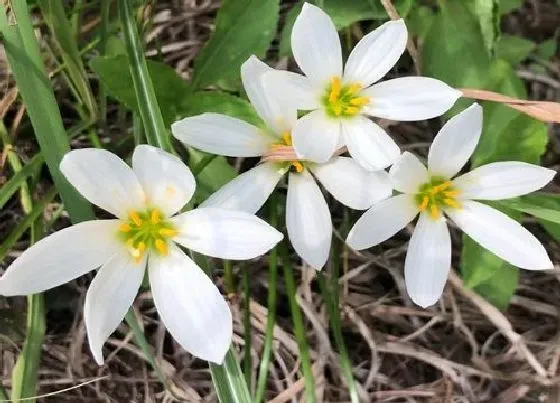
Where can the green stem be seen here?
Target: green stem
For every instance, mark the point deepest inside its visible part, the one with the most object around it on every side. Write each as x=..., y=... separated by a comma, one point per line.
x=154, y=126
x=229, y=280
x=299, y=327
x=248, y=359
x=271, y=304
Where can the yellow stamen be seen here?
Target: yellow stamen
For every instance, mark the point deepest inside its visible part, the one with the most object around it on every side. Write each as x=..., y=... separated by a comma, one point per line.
x=124, y=227
x=298, y=166
x=287, y=138
x=354, y=88
x=360, y=101
x=351, y=110
x=439, y=188
x=452, y=203
x=155, y=216
x=434, y=212
x=424, y=203
x=167, y=232
x=451, y=193
x=161, y=246
x=336, y=85
x=133, y=215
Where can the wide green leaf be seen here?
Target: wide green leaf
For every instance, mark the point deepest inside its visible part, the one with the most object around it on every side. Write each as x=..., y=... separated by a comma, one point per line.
x=243, y=28
x=514, y=49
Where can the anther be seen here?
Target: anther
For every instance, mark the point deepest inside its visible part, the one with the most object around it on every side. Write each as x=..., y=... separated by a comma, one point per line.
x=360, y=101
x=298, y=166
x=434, y=212
x=336, y=85
x=155, y=216
x=124, y=227
x=452, y=203
x=424, y=203
x=167, y=232
x=351, y=110
x=354, y=88
x=133, y=215
x=451, y=193
x=161, y=246
x=287, y=138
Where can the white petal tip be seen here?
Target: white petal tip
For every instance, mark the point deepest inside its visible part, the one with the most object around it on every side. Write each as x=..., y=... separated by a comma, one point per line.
x=424, y=301
x=98, y=356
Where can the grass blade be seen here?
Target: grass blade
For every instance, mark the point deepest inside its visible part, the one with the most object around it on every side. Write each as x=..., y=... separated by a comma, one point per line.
x=299, y=327
x=154, y=127
x=229, y=380
x=247, y=359
x=34, y=86
x=271, y=303
x=19, y=179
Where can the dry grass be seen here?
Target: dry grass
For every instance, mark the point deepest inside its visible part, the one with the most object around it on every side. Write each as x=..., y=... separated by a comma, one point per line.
x=460, y=350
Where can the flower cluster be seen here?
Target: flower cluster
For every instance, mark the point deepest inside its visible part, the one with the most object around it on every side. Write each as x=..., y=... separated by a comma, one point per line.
x=147, y=199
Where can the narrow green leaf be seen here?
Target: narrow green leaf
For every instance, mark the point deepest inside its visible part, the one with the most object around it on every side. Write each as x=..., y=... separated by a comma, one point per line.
x=299, y=326
x=154, y=126
x=9, y=188
x=487, y=14
x=229, y=380
x=34, y=86
x=243, y=28
x=545, y=207
x=53, y=13
x=271, y=305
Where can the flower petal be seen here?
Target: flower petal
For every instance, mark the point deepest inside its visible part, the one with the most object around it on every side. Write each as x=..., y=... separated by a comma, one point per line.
x=168, y=183
x=316, y=136
x=503, y=180
x=109, y=296
x=369, y=144
x=408, y=173
x=316, y=45
x=428, y=261
x=382, y=221
x=376, y=53
x=501, y=235
x=351, y=184
x=410, y=98
x=454, y=144
x=61, y=257
x=248, y=191
x=104, y=179
x=278, y=116
x=190, y=306
x=294, y=89
x=308, y=219
x=222, y=135
x=226, y=234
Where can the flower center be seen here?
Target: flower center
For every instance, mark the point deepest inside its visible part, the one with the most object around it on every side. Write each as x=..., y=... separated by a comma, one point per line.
x=286, y=137
x=343, y=100
x=436, y=195
x=145, y=231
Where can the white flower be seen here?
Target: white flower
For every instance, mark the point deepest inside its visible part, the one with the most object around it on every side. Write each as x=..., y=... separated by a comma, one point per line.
x=340, y=101
x=432, y=192
x=308, y=218
x=144, y=199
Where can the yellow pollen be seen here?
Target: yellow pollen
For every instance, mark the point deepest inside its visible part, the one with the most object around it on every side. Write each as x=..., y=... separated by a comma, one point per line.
x=440, y=188
x=354, y=88
x=287, y=138
x=134, y=217
x=337, y=109
x=351, y=110
x=124, y=227
x=161, y=246
x=424, y=203
x=452, y=203
x=434, y=212
x=451, y=193
x=155, y=216
x=167, y=232
x=360, y=101
x=336, y=86
x=298, y=166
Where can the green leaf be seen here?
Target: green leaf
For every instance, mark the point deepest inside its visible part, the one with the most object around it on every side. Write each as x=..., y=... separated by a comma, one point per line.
x=547, y=49
x=486, y=12
x=219, y=102
x=286, y=35
x=514, y=49
x=35, y=88
x=419, y=21
x=19, y=179
x=243, y=28
x=150, y=112
x=507, y=6
x=216, y=174
x=544, y=206
x=229, y=380
x=53, y=13
x=170, y=89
